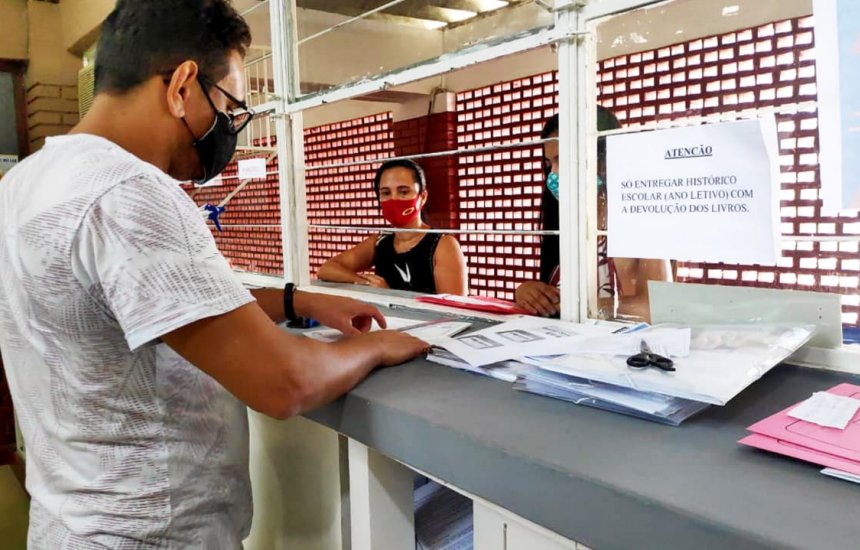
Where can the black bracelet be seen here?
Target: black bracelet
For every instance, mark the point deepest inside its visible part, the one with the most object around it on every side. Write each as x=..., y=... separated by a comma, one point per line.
x=289, y=307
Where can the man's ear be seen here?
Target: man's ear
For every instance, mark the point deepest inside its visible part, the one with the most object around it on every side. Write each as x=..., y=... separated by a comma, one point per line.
x=180, y=86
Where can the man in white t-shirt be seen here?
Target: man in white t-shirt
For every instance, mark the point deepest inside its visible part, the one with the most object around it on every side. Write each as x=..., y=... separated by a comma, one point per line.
x=131, y=349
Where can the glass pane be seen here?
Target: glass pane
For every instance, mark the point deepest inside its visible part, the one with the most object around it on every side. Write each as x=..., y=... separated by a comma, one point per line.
x=499, y=188
x=345, y=41
x=250, y=227
x=664, y=66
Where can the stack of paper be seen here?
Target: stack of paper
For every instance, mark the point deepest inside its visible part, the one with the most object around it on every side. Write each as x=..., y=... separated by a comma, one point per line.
x=587, y=363
x=824, y=430
x=507, y=371
x=443, y=519
x=650, y=406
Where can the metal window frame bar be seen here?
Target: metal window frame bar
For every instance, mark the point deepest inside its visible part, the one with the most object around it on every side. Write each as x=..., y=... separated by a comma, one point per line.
x=435, y=154
x=375, y=229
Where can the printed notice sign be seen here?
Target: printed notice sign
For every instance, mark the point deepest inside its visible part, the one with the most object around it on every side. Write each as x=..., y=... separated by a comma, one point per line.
x=703, y=193
x=252, y=169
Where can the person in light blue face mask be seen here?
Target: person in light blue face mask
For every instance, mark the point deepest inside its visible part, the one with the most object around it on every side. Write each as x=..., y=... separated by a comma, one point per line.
x=621, y=280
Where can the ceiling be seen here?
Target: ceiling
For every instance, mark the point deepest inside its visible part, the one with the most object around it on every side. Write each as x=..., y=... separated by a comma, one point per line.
x=434, y=14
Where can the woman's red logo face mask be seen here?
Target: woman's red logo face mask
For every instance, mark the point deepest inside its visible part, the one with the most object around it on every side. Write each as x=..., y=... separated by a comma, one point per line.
x=401, y=212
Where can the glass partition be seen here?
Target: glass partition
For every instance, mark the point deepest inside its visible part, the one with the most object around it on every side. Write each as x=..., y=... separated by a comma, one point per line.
x=478, y=141
x=342, y=42
x=664, y=67
x=248, y=231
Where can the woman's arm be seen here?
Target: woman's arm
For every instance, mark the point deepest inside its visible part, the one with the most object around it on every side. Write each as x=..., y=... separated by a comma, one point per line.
x=633, y=277
x=346, y=266
x=449, y=268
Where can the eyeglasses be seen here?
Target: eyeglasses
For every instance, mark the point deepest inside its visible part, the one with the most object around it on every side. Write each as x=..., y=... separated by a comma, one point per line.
x=239, y=117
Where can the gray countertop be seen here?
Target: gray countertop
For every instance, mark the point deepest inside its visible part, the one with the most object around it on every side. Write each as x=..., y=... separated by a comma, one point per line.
x=606, y=480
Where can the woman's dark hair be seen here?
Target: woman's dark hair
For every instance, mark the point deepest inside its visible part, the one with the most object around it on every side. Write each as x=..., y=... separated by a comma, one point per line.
x=418, y=175
x=550, y=255
x=141, y=39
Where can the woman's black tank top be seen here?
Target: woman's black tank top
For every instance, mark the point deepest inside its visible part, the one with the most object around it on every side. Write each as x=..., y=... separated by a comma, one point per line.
x=411, y=270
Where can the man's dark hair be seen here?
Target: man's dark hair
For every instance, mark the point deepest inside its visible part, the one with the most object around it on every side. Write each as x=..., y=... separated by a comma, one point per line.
x=141, y=39
x=417, y=173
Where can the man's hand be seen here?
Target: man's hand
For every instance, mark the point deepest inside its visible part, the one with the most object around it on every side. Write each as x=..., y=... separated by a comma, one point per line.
x=538, y=298
x=374, y=280
x=349, y=316
x=395, y=348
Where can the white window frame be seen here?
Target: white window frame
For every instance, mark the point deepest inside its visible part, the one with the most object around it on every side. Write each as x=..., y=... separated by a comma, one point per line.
x=573, y=32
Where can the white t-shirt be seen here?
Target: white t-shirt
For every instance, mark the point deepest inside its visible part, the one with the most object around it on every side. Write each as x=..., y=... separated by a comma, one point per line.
x=127, y=444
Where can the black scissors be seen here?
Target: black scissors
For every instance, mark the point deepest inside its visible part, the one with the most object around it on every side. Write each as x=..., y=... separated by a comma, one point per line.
x=647, y=358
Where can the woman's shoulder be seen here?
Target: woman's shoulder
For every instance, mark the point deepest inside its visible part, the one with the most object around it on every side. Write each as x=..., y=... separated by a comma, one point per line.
x=446, y=244
x=448, y=241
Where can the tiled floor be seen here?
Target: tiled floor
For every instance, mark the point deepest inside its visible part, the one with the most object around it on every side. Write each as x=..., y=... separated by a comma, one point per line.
x=14, y=507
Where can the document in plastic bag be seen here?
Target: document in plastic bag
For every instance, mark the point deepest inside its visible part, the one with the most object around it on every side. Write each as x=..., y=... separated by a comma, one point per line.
x=722, y=362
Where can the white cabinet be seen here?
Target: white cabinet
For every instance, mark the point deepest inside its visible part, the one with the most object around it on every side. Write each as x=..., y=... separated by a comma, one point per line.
x=497, y=529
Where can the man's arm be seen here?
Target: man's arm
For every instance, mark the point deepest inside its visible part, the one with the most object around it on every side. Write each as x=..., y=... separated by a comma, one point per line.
x=279, y=374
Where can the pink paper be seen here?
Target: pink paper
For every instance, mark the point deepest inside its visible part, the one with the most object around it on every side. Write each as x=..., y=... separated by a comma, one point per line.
x=803, y=453
x=843, y=444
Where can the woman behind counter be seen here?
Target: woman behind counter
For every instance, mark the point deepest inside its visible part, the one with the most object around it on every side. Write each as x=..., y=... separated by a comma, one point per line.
x=623, y=282
x=427, y=263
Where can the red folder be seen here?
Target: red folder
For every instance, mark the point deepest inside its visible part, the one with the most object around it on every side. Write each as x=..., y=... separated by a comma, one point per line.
x=475, y=303
x=831, y=447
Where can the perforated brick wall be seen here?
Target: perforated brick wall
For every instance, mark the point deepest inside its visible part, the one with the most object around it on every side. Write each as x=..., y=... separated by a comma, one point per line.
x=430, y=134
x=251, y=236
x=344, y=195
x=501, y=190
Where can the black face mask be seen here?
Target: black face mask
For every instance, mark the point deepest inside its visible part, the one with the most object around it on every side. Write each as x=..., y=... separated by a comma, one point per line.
x=217, y=146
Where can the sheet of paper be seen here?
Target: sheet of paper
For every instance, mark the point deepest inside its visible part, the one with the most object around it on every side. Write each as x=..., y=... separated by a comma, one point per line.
x=700, y=193
x=506, y=371
x=252, y=169
x=827, y=409
x=517, y=338
x=437, y=333
x=333, y=335
x=845, y=476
